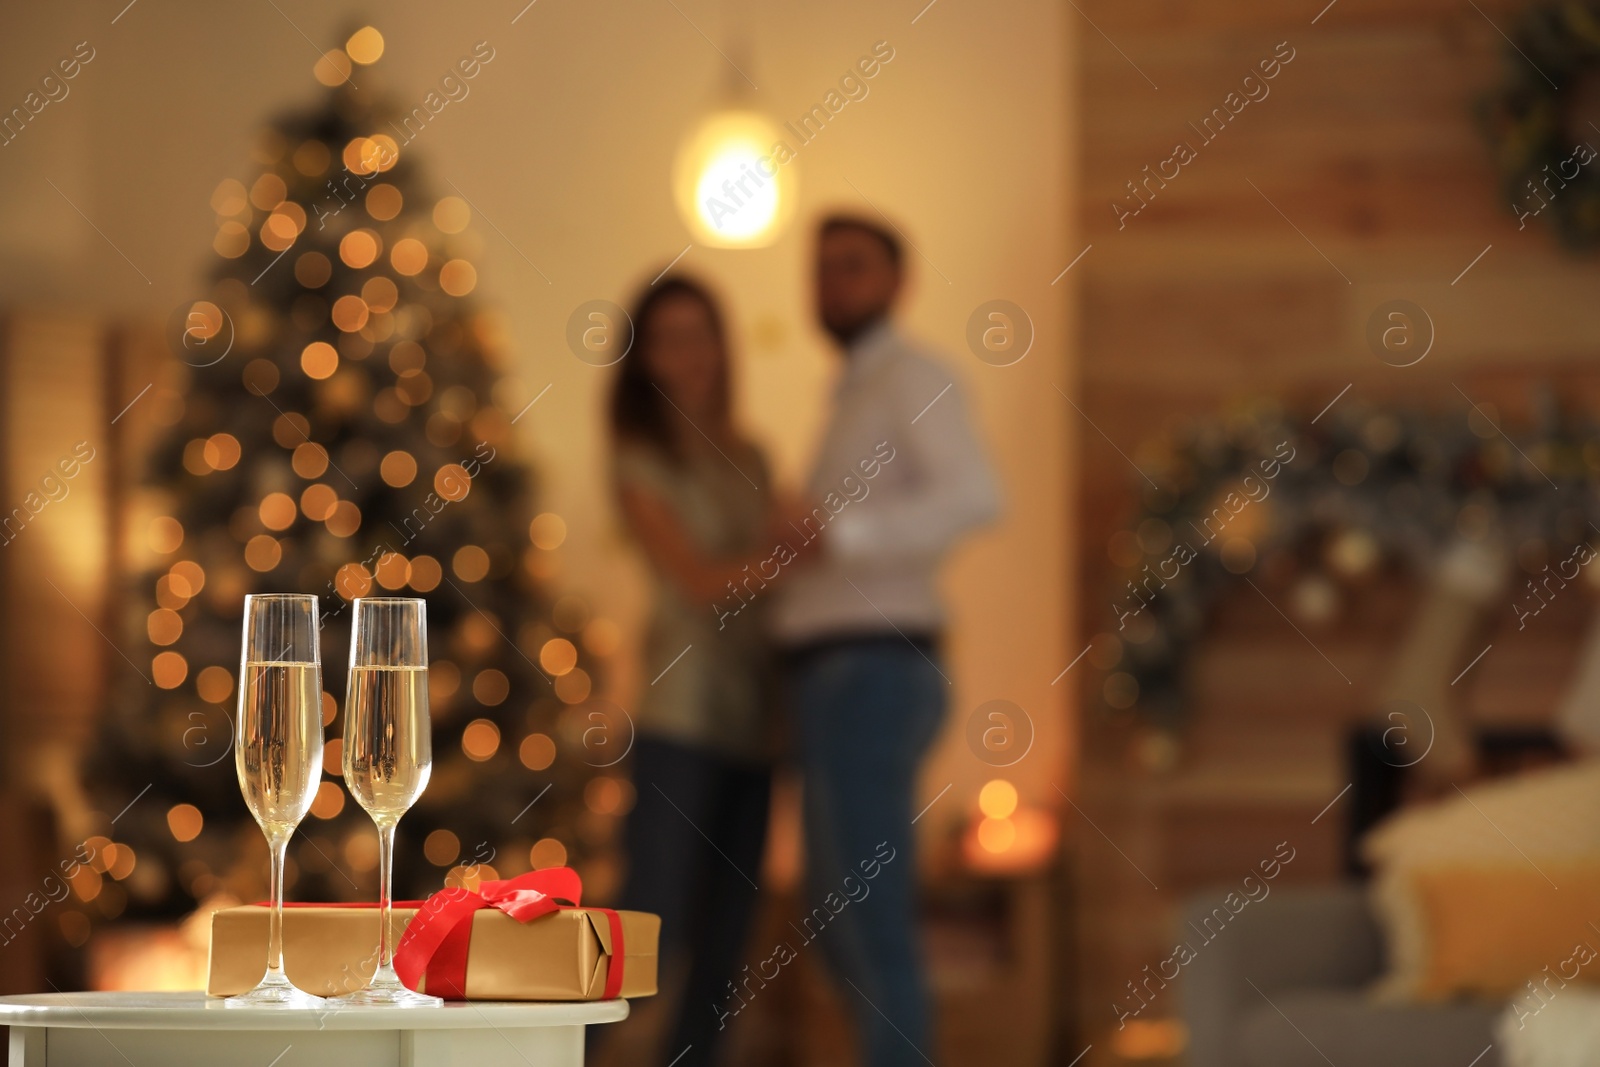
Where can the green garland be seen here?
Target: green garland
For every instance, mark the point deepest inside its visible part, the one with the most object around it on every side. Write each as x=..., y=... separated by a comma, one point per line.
x=1543, y=147
x=1308, y=511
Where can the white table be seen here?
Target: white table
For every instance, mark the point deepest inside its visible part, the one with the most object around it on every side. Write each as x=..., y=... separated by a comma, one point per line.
x=193, y=1030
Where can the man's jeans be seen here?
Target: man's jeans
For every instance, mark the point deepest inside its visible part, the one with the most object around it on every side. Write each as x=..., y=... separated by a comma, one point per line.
x=867, y=710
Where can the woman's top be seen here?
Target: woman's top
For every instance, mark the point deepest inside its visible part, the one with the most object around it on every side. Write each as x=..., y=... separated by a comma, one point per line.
x=707, y=665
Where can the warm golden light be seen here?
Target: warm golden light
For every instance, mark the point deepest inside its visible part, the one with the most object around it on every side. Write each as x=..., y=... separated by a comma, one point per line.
x=365, y=46
x=603, y=637
x=573, y=687
x=452, y=214
x=164, y=626
x=558, y=656
x=458, y=277
x=384, y=202
x=998, y=799
x=344, y=520
x=409, y=256
x=167, y=596
x=997, y=835
x=186, y=578
x=185, y=822
x=732, y=190
x=537, y=752
x=547, y=852
x=290, y=429
x=268, y=191
x=350, y=313
x=329, y=801
x=222, y=451
x=392, y=571
x=214, y=684
x=277, y=511
x=318, y=501
x=359, y=248
x=169, y=669
x=262, y=552
x=491, y=687
x=380, y=294
x=1150, y=1039
x=319, y=360
x=352, y=580
x=398, y=469
x=232, y=240
x=310, y=460
x=194, y=457
x=425, y=574
x=603, y=795
x=470, y=563
x=165, y=534
x=312, y=158
x=547, y=531
x=312, y=270
x=441, y=848
x=361, y=850
x=229, y=198
x=480, y=740
x=452, y=482
x=332, y=68
x=260, y=376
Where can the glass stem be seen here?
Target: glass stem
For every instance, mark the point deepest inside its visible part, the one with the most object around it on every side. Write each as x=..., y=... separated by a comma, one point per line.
x=279, y=846
x=385, y=895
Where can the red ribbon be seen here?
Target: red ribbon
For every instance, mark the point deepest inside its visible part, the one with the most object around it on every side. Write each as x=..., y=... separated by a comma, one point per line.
x=437, y=938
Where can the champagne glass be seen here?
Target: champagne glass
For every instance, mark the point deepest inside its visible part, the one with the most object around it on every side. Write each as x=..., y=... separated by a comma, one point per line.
x=278, y=751
x=388, y=753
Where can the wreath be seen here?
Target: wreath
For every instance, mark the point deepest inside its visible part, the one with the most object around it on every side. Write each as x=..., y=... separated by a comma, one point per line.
x=1309, y=511
x=1544, y=121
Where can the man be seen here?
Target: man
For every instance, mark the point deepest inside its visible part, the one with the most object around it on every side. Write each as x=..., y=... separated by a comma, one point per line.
x=900, y=478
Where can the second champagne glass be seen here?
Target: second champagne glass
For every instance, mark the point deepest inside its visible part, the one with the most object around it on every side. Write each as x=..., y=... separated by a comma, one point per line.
x=388, y=752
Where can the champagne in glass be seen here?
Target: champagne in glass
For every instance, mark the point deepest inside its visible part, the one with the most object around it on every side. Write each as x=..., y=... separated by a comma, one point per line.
x=278, y=751
x=388, y=753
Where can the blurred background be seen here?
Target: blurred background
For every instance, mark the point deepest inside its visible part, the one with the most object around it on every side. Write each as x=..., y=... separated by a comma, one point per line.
x=1273, y=318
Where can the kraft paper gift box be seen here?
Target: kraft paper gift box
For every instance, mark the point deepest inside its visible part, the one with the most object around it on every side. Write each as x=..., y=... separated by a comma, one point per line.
x=563, y=953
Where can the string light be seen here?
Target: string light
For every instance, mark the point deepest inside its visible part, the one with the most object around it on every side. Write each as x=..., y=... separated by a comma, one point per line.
x=470, y=563
x=480, y=740
x=441, y=848
x=185, y=822
x=384, y=201
x=537, y=752
x=490, y=687
x=558, y=656
x=425, y=574
x=165, y=534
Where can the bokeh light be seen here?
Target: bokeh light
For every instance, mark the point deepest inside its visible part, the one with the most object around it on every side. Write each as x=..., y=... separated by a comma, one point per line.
x=480, y=740
x=185, y=822
x=537, y=752
x=998, y=799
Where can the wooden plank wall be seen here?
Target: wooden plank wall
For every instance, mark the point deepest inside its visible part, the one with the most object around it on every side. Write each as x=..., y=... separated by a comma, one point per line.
x=1362, y=177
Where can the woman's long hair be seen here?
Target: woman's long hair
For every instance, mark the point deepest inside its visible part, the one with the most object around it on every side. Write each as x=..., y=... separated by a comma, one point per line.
x=640, y=410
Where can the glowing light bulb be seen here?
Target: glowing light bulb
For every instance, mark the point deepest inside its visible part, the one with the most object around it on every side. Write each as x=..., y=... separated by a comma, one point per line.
x=733, y=187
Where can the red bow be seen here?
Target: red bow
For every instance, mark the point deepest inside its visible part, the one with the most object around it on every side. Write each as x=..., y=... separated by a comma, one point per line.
x=437, y=938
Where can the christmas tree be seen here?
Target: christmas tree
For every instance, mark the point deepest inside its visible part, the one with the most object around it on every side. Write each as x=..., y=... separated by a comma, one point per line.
x=344, y=430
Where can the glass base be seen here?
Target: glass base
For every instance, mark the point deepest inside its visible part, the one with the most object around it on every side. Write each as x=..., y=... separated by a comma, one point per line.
x=386, y=991
x=275, y=991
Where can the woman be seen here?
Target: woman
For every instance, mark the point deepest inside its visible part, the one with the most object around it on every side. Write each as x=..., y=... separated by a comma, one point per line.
x=695, y=496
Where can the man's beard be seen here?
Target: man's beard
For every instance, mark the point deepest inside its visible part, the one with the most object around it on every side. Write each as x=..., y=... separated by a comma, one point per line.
x=846, y=332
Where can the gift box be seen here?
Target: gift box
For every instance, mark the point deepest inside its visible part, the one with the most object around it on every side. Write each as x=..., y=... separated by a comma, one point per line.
x=517, y=939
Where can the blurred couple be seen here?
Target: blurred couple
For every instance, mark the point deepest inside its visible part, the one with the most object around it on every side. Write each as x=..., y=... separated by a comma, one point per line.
x=825, y=605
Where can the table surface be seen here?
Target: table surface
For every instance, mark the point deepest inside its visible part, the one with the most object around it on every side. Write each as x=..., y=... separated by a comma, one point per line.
x=196, y=1011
